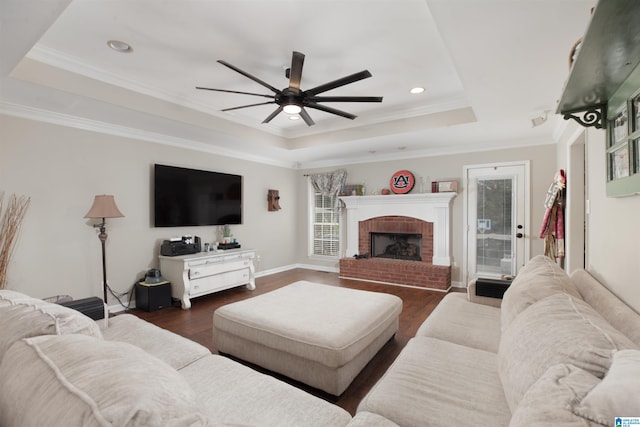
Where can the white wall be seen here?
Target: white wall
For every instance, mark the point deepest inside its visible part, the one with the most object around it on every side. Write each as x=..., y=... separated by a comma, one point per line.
x=613, y=229
x=612, y=226
x=62, y=168
x=377, y=176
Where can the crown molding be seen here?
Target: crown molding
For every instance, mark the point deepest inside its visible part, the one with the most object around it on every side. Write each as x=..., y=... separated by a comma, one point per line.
x=42, y=115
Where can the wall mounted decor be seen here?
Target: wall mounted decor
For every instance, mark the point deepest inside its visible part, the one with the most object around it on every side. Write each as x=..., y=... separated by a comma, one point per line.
x=603, y=90
x=402, y=182
x=273, y=200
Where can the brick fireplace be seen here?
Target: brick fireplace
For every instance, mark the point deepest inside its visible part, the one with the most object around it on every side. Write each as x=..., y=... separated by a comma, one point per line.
x=423, y=218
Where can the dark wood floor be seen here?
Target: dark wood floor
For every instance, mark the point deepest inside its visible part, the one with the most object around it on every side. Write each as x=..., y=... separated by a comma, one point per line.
x=196, y=323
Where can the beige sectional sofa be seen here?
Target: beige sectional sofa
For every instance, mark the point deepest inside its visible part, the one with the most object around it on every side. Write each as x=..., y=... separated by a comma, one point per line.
x=557, y=351
x=60, y=368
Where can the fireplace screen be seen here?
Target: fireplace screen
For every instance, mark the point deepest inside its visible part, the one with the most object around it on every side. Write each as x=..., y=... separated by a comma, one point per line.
x=396, y=246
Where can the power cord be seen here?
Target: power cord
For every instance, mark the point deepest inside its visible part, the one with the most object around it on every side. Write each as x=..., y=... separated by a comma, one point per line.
x=123, y=294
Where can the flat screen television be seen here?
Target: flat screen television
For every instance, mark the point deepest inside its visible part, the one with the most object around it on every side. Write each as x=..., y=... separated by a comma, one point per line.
x=190, y=197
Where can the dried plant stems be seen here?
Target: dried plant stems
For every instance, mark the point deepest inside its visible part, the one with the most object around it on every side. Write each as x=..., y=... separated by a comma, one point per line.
x=10, y=220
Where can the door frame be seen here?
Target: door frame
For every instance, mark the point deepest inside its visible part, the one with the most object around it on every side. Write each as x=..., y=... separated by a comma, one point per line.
x=465, y=212
x=575, y=208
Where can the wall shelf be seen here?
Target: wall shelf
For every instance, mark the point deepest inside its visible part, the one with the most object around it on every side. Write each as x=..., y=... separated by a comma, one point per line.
x=602, y=89
x=607, y=57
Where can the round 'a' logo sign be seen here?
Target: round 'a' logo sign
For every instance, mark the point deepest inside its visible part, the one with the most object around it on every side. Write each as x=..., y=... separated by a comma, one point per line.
x=402, y=182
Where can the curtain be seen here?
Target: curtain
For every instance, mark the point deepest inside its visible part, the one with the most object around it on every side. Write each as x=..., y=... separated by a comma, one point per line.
x=329, y=184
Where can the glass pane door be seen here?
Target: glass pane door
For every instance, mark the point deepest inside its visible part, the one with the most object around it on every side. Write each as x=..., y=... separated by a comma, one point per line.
x=494, y=242
x=497, y=203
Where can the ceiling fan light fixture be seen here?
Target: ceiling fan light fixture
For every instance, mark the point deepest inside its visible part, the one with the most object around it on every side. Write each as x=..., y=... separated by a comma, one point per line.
x=294, y=117
x=294, y=101
x=292, y=109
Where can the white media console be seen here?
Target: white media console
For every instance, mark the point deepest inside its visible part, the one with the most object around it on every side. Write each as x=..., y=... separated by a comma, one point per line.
x=208, y=272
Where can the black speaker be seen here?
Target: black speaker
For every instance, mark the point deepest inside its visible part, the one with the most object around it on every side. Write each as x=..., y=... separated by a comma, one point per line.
x=493, y=288
x=153, y=297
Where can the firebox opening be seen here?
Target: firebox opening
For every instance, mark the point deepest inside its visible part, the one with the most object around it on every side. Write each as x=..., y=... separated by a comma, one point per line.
x=404, y=246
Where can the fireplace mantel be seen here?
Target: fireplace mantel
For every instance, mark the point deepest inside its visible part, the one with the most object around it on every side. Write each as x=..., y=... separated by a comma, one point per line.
x=430, y=207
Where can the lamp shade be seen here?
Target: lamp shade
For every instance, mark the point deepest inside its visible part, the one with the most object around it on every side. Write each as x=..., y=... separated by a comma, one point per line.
x=104, y=206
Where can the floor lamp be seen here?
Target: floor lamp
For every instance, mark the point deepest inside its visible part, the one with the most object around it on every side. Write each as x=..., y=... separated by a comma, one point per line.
x=104, y=207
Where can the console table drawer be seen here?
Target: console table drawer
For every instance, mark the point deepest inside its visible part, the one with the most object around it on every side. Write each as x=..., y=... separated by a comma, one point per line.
x=220, y=281
x=203, y=273
x=212, y=269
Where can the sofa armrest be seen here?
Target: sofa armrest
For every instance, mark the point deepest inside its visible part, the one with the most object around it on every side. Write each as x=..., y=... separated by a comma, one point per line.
x=471, y=296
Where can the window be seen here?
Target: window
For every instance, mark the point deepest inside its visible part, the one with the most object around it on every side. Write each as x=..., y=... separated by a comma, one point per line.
x=325, y=225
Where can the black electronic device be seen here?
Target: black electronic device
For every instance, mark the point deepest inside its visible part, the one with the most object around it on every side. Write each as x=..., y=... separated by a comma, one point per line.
x=92, y=307
x=190, y=197
x=153, y=297
x=185, y=246
x=225, y=246
x=493, y=288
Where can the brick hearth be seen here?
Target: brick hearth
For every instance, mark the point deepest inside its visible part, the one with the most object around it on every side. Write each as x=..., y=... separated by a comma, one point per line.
x=397, y=272
x=403, y=272
x=396, y=224
x=425, y=214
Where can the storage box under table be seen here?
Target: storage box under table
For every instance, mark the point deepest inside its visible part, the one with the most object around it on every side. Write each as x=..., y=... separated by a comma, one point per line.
x=317, y=334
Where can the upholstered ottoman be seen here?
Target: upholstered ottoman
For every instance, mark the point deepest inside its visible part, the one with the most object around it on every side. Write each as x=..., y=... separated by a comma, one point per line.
x=319, y=335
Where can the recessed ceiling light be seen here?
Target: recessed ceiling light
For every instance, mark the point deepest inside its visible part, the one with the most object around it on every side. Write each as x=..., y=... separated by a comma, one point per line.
x=417, y=90
x=119, y=46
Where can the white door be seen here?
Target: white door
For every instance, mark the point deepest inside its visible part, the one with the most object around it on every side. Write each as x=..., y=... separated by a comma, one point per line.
x=497, y=217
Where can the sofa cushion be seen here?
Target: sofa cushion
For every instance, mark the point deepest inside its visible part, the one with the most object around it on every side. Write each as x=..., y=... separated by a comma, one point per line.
x=167, y=346
x=618, y=395
x=538, y=279
x=557, y=329
x=438, y=383
x=458, y=320
x=367, y=419
x=80, y=380
x=617, y=313
x=22, y=316
x=233, y=394
x=547, y=402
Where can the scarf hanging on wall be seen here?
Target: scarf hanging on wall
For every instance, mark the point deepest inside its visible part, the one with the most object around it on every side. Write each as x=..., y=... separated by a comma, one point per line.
x=552, y=230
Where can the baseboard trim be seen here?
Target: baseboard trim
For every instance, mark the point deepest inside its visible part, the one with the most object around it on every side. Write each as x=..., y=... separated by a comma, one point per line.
x=117, y=308
x=397, y=284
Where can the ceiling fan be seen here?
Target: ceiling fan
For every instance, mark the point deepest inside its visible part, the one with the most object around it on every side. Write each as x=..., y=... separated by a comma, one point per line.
x=293, y=100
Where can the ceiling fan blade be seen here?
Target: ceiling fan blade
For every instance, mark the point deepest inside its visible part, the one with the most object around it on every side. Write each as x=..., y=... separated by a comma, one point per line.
x=234, y=91
x=272, y=115
x=307, y=118
x=340, y=82
x=345, y=98
x=331, y=110
x=250, y=105
x=295, y=75
x=244, y=73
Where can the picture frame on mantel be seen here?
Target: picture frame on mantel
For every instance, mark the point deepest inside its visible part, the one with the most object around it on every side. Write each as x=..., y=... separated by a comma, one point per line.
x=445, y=186
x=352, y=190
